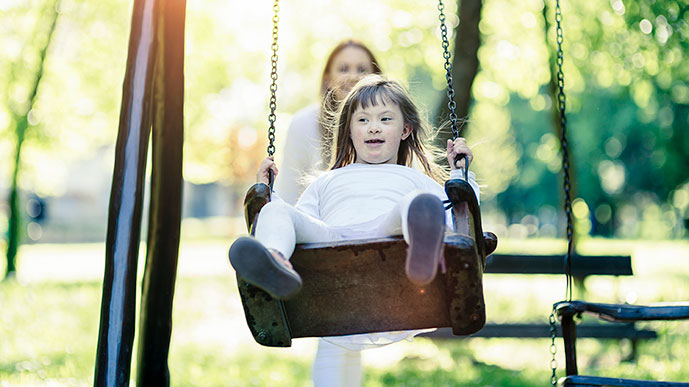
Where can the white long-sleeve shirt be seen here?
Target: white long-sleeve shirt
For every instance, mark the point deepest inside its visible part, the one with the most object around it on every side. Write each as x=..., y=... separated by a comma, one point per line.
x=359, y=193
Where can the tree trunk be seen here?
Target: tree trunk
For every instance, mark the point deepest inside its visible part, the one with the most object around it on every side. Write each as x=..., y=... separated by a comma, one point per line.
x=22, y=120
x=464, y=64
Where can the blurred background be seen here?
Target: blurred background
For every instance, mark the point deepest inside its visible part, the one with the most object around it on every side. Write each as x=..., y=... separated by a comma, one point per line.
x=61, y=73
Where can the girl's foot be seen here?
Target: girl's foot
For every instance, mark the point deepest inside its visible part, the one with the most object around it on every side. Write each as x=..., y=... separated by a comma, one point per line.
x=266, y=269
x=426, y=225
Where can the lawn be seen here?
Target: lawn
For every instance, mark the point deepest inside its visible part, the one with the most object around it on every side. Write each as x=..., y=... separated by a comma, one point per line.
x=49, y=324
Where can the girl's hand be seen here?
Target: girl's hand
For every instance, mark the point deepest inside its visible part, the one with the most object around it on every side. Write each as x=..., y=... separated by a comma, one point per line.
x=266, y=165
x=456, y=148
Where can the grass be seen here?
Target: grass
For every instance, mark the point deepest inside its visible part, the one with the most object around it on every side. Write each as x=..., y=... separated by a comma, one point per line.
x=49, y=324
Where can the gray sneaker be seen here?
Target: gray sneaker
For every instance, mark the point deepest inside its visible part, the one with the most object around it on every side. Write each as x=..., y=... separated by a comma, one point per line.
x=426, y=224
x=262, y=268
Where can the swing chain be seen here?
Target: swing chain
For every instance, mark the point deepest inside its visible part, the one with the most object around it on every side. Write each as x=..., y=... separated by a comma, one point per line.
x=274, y=78
x=561, y=104
x=553, y=348
x=448, y=71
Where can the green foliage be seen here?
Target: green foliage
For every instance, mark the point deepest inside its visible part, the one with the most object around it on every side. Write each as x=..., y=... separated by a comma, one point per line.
x=625, y=80
x=627, y=109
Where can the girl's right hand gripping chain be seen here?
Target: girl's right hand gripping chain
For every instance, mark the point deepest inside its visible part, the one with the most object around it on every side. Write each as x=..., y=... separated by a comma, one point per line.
x=266, y=165
x=455, y=149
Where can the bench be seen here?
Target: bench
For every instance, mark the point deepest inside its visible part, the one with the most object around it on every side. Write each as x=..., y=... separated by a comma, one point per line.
x=582, y=267
x=615, y=313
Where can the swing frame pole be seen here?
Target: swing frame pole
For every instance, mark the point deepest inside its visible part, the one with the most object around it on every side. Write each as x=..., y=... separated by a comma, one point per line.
x=153, y=93
x=165, y=209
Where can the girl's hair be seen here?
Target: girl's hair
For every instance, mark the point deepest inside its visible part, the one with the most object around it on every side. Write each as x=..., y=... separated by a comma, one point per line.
x=414, y=150
x=330, y=102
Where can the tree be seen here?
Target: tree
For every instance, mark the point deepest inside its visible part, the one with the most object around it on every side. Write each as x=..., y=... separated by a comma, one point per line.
x=20, y=117
x=464, y=63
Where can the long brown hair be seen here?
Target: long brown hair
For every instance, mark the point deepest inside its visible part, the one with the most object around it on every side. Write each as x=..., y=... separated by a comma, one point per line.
x=325, y=78
x=329, y=100
x=375, y=89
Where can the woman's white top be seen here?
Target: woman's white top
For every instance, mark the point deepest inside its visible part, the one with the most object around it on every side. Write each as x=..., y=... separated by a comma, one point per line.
x=301, y=156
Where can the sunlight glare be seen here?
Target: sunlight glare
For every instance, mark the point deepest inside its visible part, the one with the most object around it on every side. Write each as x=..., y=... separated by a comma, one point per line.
x=580, y=208
x=402, y=19
x=4, y=119
x=247, y=137
x=507, y=50
x=528, y=20
x=612, y=176
x=663, y=30
x=645, y=26
x=617, y=6
x=680, y=198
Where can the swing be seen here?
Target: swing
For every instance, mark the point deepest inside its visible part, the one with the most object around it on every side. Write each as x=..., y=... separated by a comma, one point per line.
x=374, y=295
x=567, y=310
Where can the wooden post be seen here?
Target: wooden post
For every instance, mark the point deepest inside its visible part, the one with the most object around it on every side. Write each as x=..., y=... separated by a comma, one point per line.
x=165, y=213
x=569, y=337
x=116, y=332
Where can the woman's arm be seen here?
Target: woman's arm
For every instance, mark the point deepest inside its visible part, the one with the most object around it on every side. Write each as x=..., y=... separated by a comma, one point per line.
x=300, y=145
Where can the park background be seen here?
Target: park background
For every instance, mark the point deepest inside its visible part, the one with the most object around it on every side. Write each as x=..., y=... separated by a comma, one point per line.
x=628, y=115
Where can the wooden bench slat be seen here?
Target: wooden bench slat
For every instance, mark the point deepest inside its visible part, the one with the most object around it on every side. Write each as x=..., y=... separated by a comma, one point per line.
x=582, y=266
x=535, y=330
x=597, y=381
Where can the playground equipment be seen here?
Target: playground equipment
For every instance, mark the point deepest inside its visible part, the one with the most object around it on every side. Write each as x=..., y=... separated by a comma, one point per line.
x=153, y=98
x=373, y=294
x=568, y=309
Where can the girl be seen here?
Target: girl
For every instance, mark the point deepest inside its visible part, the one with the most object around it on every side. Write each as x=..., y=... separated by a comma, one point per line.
x=371, y=191
x=308, y=136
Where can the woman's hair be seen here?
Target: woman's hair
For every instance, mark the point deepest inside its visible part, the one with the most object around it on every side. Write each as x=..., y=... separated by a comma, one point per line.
x=325, y=79
x=329, y=100
x=375, y=89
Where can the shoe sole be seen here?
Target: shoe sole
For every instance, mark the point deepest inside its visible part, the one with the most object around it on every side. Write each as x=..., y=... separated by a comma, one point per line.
x=257, y=266
x=426, y=223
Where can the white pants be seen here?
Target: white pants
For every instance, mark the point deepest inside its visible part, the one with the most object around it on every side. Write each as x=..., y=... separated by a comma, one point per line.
x=281, y=226
x=335, y=366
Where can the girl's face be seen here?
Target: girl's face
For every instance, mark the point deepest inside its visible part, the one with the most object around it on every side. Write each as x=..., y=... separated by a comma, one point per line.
x=347, y=68
x=377, y=131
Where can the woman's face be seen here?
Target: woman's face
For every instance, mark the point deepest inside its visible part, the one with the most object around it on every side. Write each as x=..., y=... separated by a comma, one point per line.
x=347, y=68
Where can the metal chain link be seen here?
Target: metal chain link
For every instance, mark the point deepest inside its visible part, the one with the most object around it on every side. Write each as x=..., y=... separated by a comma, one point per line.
x=274, y=77
x=448, y=72
x=561, y=104
x=553, y=348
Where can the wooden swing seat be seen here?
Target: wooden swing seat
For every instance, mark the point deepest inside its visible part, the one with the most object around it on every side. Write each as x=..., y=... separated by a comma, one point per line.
x=361, y=287
x=616, y=313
